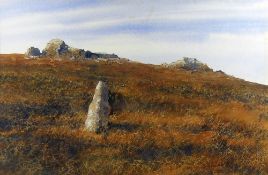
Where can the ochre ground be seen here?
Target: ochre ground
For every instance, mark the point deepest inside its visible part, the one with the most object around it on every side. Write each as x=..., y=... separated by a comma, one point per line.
x=167, y=121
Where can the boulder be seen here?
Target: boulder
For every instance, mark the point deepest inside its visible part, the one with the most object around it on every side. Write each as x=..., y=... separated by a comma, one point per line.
x=99, y=110
x=33, y=52
x=88, y=54
x=76, y=54
x=56, y=48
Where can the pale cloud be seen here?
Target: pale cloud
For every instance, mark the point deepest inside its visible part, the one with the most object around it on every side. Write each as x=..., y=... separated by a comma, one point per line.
x=113, y=15
x=55, y=21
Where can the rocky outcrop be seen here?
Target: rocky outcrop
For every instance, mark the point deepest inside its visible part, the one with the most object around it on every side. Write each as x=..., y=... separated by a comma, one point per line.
x=33, y=52
x=188, y=64
x=99, y=110
x=58, y=49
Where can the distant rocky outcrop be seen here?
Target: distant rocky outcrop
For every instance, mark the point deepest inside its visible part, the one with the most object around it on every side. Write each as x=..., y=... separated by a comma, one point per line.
x=99, y=109
x=188, y=64
x=58, y=49
x=33, y=52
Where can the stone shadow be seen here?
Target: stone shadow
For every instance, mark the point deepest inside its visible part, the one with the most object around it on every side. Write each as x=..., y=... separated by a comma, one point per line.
x=123, y=127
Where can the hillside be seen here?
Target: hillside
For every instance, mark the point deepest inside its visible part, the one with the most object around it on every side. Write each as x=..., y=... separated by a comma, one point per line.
x=164, y=121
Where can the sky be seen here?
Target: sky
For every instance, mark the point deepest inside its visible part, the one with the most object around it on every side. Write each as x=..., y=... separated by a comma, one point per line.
x=228, y=35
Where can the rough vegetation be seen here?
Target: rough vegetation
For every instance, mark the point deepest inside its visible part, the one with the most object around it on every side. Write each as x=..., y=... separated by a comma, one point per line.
x=165, y=121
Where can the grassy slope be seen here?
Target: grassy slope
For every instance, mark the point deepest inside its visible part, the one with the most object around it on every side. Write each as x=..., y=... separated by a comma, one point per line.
x=173, y=121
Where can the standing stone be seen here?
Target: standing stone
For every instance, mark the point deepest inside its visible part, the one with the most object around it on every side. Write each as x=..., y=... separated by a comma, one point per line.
x=99, y=109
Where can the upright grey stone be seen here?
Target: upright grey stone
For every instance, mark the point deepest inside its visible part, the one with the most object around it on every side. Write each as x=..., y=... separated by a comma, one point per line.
x=99, y=109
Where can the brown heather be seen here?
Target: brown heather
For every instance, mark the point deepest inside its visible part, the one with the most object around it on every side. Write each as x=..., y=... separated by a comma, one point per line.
x=173, y=121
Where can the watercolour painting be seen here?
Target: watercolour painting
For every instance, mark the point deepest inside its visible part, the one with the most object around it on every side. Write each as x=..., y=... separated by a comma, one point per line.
x=116, y=87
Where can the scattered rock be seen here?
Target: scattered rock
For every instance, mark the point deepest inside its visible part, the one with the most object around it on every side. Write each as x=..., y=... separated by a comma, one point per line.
x=33, y=52
x=99, y=109
x=189, y=64
x=106, y=56
x=220, y=72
